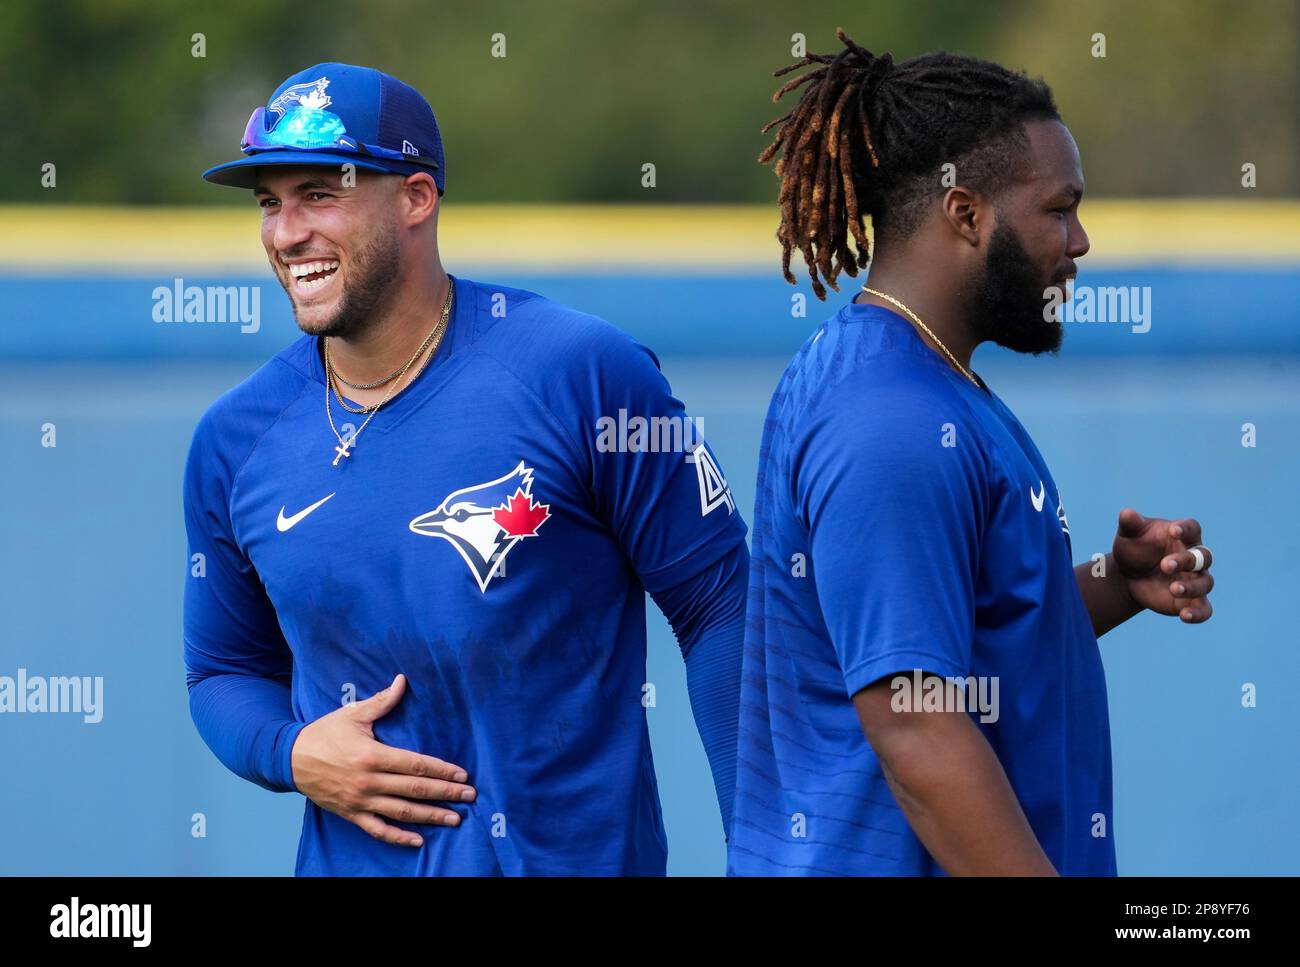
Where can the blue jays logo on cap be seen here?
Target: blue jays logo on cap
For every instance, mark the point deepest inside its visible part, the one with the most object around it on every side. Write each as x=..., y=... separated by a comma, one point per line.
x=310, y=96
x=333, y=114
x=301, y=121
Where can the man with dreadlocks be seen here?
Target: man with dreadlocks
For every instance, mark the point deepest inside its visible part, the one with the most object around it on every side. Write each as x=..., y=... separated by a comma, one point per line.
x=910, y=550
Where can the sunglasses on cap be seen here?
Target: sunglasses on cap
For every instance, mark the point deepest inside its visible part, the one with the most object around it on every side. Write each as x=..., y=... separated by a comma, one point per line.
x=312, y=130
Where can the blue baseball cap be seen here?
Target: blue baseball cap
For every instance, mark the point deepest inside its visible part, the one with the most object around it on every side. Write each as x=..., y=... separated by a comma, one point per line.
x=333, y=114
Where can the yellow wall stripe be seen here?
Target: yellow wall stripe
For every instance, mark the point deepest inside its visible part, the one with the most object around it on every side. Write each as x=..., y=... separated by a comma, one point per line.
x=57, y=238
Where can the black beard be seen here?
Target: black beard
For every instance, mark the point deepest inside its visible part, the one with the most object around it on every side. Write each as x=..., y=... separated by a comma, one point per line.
x=368, y=285
x=1009, y=301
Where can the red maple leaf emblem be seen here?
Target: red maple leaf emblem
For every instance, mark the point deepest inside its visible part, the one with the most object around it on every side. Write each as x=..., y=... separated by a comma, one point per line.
x=520, y=516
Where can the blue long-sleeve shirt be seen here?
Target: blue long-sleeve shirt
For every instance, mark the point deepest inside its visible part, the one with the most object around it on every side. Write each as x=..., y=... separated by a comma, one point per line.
x=490, y=535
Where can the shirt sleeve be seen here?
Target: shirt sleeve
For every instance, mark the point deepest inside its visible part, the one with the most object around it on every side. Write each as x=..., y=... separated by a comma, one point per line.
x=238, y=665
x=891, y=482
x=707, y=614
x=657, y=483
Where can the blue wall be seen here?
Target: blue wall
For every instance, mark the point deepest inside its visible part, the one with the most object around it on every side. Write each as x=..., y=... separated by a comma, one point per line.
x=93, y=558
x=110, y=317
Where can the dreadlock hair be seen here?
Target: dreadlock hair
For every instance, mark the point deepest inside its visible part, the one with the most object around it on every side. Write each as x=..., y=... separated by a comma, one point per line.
x=869, y=137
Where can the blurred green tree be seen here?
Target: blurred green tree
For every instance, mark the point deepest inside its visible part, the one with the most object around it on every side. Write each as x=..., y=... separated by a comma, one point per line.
x=588, y=92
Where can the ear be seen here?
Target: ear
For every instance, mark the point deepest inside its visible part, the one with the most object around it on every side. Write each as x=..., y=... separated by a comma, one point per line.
x=967, y=213
x=421, y=196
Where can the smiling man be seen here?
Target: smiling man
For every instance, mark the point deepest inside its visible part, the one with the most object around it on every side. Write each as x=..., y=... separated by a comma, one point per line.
x=907, y=529
x=412, y=502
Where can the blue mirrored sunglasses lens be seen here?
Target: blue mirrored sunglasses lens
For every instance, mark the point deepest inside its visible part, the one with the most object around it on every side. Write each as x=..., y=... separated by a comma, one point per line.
x=301, y=127
x=306, y=128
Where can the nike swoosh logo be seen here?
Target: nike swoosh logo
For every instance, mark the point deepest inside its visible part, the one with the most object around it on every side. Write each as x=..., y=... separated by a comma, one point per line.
x=283, y=523
x=1037, y=499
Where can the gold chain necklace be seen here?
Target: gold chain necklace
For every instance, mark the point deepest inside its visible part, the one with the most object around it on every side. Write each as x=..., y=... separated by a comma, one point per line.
x=375, y=385
x=334, y=374
x=912, y=315
x=434, y=337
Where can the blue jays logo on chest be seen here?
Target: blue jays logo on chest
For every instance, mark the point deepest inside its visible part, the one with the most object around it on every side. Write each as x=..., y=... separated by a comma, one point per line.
x=484, y=521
